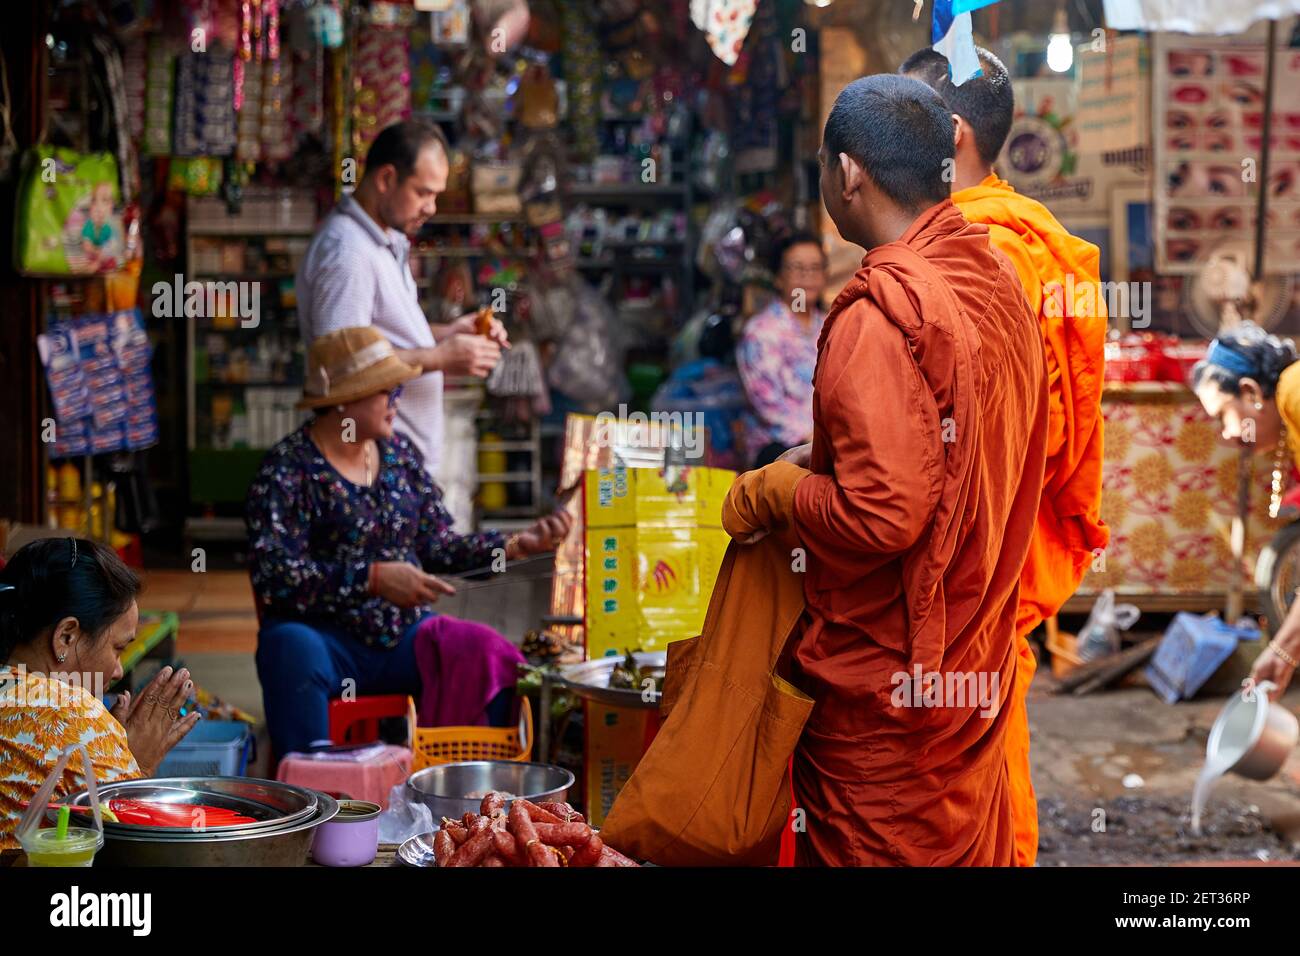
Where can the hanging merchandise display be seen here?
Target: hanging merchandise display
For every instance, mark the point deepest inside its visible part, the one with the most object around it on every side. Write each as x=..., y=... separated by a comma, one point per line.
x=160, y=62
x=97, y=368
x=69, y=219
x=538, y=103
x=496, y=188
x=503, y=24
x=204, y=104
x=725, y=23
x=582, y=60
x=339, y=145
x=248, y=146
x=449, y=26
x=381, y=83
x=326, y=22
x=756, y=136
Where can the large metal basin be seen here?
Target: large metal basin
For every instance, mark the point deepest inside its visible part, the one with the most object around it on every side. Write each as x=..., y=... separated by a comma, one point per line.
x=282, y=838
x=271, y=804
x=443, y=788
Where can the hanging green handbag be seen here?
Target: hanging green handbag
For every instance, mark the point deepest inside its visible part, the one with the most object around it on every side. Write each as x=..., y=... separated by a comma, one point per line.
x=69, y=220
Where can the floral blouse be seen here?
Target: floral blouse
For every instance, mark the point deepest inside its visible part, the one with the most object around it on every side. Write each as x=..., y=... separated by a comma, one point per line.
x=776, y=359
x=313, y=536
x=40, y=717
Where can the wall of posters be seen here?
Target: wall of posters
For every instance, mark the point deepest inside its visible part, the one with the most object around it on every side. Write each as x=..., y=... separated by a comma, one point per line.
x=1208, y=138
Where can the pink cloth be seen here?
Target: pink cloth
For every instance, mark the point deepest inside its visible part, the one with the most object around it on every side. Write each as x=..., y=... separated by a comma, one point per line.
x=371, y=780
x=463, y=665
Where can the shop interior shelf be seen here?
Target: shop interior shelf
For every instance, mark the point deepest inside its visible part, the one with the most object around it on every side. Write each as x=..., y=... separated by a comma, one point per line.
x=242, y=276
x=505, y=446
x=242, y=229
x=625, y=191
x=471, y=218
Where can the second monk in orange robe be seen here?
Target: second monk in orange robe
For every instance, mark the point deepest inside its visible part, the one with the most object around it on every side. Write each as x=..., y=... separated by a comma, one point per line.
x=930, y=427
x=1059, y=273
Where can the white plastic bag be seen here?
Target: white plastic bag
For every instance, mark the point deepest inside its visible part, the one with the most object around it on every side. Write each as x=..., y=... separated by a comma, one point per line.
x=403, y=819
x=1100, y=636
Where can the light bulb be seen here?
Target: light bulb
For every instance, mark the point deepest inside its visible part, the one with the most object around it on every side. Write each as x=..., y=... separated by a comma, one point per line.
x=1060, y=52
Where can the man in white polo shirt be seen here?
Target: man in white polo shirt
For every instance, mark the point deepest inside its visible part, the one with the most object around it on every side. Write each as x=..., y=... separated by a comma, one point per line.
x=357, y=272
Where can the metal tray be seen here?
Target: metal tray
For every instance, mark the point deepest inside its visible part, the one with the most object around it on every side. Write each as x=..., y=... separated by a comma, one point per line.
x=590, y=680
x=273, y=805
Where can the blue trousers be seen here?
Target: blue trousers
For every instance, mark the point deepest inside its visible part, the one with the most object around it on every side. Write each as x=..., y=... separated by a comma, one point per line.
x=303, y=666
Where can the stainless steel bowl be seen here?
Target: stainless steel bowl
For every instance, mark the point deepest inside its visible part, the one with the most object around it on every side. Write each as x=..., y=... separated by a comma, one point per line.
x=590, y=680
x=271, y=804
x=1252, y=736
x=282, y=837
x=443, y=788
x=418, y=850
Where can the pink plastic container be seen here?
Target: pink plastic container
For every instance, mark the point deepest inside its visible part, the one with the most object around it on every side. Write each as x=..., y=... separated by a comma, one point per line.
x=351, y=838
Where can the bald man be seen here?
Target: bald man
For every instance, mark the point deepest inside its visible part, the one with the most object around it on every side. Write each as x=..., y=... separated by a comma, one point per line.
x=1051, y=263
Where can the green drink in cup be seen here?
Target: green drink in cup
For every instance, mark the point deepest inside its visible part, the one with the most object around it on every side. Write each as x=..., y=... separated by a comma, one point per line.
x=63, y=845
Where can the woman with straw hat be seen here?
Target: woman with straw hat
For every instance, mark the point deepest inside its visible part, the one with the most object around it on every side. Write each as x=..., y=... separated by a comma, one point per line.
x=346, y=533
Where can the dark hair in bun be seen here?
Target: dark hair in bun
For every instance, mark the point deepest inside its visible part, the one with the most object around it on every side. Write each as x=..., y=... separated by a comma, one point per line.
x=54, y=578
x=1253, y=354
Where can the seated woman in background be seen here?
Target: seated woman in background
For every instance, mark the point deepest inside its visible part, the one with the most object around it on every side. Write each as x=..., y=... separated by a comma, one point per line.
x=346, y=530
x=778, y=352
x=67, y=611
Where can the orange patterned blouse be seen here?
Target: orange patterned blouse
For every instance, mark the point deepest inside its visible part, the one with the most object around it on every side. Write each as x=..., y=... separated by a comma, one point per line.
x=40, y=716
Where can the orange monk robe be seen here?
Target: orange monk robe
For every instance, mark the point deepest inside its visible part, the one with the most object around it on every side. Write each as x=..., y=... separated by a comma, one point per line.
x=929, y=436
x=1069, y=525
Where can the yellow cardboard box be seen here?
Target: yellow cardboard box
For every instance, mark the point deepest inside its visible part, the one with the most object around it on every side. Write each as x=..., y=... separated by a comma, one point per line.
x=652, y=555
x=616, y=739
x=621, y=497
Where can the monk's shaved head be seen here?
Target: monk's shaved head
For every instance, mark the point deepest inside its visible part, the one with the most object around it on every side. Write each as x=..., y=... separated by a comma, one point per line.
x=985, y=102
x=900, y=132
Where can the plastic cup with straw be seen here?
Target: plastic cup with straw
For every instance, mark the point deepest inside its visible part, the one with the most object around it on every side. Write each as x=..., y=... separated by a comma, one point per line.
x=62, y=845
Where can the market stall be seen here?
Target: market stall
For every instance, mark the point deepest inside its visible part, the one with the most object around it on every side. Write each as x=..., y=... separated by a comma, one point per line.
x=619, y=175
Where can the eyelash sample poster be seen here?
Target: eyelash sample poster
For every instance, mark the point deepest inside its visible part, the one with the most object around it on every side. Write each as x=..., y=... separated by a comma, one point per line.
x=1208, y=138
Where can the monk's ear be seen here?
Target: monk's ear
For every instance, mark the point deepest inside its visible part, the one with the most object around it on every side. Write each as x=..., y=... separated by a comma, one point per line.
x=959, y=130
x=852, y=174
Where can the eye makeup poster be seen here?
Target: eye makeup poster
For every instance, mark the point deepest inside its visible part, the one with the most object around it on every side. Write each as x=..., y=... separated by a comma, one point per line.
x=1208, y=138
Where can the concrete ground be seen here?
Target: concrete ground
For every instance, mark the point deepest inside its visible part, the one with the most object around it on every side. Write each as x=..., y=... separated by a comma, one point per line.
x=1083, y=748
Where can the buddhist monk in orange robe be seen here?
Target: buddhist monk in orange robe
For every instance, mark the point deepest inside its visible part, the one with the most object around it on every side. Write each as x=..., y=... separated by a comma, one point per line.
x=926, y=469
x=1060, y=276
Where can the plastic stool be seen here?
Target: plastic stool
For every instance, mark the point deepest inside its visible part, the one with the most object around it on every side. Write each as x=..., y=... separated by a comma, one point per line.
x=370, y=780
x=357, y=721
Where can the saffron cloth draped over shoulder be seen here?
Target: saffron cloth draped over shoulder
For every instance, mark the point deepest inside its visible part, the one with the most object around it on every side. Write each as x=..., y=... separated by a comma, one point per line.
x=930, y=436
x=1061, y=279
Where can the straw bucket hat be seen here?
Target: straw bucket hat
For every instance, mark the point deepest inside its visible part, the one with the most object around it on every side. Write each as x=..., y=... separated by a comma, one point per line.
x=349, y=364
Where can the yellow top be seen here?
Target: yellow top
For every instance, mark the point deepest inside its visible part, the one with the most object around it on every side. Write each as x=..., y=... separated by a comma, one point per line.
x=42, y=715
x=1288, y=406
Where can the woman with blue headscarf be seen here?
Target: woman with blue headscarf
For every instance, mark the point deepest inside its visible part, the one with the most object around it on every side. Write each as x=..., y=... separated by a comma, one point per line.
x=1250, y=381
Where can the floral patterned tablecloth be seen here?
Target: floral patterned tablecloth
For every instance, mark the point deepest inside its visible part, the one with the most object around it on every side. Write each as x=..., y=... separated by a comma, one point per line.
x=1169, y=492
